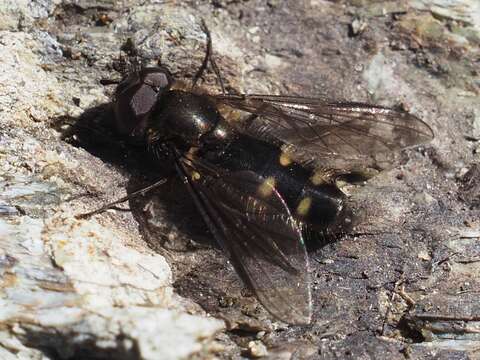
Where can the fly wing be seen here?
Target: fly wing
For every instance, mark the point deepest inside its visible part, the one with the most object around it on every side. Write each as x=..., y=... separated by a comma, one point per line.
x=252, y=223
x=339, y=134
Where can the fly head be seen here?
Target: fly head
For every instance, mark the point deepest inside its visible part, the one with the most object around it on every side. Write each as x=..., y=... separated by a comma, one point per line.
x=135, y=98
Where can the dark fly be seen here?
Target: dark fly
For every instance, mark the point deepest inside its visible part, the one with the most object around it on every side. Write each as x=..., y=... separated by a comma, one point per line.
x=252, y=184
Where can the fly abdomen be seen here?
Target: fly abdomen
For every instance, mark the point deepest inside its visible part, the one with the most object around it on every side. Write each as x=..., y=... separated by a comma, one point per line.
x=320, y=206
x=313, y=202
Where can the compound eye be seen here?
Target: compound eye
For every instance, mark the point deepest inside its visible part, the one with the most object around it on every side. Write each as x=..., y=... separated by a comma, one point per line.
x=157, y=78
x=135, y=97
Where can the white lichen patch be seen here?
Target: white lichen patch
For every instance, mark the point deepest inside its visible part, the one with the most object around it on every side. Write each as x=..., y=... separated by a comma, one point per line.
x=104, y=271
x=67, y=276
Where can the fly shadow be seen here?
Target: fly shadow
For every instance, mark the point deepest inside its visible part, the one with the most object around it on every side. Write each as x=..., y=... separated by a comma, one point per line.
x=166, y=216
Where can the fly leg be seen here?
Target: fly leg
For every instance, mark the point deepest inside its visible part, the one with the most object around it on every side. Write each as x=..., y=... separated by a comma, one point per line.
x=208, y=58
x=123, y=199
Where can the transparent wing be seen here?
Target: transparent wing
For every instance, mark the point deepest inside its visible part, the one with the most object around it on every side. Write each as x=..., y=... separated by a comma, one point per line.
x=254, y=226
x=339, y=133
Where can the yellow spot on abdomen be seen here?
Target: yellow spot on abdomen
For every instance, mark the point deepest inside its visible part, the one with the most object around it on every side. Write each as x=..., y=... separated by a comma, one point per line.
x=285, y=159
x=266, y=188
x=304, y=206
x=195, y=176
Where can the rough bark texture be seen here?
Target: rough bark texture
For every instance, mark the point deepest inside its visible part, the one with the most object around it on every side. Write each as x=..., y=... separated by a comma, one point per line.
x=148, y=284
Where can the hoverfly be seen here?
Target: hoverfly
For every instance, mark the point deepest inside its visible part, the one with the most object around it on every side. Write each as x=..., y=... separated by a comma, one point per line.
x=251, y=184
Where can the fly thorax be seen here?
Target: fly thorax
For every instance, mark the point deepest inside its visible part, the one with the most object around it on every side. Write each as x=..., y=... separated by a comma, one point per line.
x=219, y=136
x=182, y=118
